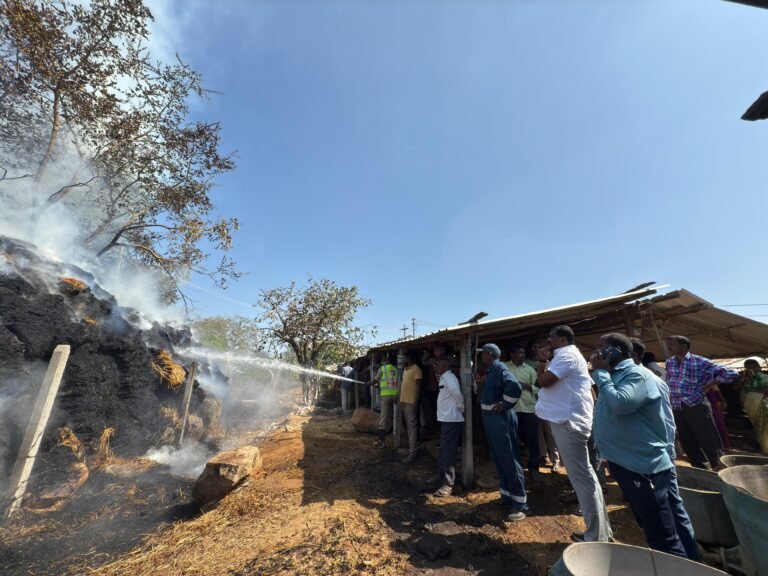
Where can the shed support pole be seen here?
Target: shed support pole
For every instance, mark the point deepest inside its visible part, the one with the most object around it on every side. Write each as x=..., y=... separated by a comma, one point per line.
x=187, y=397
x=30, y=444
x=467, y=454
x=357, y=392
x=372, y=372
x=659, y=335
x=398, y=419
x=629, y=326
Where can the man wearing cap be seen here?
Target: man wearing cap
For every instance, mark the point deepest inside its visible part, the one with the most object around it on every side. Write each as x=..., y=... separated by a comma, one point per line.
x=500, y=394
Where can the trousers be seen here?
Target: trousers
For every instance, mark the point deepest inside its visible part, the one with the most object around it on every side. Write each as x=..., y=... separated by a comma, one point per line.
x=528, y=431
x=698, y=434
x=411, y=417
x=450, y=437
x=547, y=442
x=501, y=432
x=574, y=453
x=385, y=417
x=657, y=508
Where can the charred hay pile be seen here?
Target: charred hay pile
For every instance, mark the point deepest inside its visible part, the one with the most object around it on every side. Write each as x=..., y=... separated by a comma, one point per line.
x=120, y=396
x=118, y=375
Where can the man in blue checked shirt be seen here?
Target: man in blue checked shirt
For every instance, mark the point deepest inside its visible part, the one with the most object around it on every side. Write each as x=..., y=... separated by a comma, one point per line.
x=690, y=377
x=500, y=394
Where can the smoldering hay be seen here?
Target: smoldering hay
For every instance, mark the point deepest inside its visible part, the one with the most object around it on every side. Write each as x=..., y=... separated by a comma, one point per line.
x=120, y=373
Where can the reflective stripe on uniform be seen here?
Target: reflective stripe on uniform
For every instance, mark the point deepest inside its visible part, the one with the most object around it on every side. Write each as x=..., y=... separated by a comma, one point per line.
x=519, y=499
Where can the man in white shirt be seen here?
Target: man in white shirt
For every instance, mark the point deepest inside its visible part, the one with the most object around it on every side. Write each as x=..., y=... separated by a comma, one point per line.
x=450, y=414
x=565, y=401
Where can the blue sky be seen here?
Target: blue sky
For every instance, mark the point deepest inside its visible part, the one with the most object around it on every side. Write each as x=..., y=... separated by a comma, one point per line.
x=450, y=157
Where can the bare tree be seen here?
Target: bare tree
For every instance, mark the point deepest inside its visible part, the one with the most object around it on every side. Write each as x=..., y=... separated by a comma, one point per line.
x=79, y=90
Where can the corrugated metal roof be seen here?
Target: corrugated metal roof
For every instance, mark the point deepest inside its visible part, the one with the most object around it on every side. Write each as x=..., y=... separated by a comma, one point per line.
x=505, y=325
x=714, y=332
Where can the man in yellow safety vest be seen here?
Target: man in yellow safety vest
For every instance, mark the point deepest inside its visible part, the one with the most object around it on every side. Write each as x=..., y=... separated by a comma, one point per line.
x=386, y=380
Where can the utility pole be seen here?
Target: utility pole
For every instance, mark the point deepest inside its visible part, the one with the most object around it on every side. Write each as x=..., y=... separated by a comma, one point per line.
x=413, y=326
x=405, y=330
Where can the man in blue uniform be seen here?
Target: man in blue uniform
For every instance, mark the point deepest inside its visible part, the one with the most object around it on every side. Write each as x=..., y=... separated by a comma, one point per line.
x=500, y=394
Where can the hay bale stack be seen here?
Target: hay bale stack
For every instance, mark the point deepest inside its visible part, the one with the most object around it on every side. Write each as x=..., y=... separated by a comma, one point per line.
x=170, y=372
x=72, y=286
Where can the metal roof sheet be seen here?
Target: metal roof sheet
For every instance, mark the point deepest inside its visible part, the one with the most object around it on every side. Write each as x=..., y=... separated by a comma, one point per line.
x=714, y=332
x=507, y=324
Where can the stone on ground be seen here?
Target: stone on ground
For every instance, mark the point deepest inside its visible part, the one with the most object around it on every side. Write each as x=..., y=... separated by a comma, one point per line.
x=365, y=420
x=195, y=428
x=224, y=472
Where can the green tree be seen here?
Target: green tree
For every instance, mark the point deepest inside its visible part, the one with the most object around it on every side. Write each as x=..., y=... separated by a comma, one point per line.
x=316, y=321
x=228, y=334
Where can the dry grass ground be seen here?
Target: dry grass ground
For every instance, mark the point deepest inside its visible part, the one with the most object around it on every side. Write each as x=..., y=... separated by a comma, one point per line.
x=327, y=502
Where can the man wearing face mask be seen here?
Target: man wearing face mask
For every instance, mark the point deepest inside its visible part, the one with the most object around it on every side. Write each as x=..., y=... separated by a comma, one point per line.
x=631, y=434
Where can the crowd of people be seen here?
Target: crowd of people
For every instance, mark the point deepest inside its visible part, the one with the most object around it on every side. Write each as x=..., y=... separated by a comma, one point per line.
x=620, y=410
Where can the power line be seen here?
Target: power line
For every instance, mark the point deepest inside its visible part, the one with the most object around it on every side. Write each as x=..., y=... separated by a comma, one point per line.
x=736, y=305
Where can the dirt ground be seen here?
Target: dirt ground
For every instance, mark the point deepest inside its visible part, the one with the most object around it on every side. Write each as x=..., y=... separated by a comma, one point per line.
x=328, y=502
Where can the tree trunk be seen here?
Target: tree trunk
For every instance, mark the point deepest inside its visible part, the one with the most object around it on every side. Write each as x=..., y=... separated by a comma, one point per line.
x=54, y=132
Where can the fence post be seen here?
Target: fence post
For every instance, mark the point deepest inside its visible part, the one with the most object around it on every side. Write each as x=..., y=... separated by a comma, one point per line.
x=187, y=397
x=30, y=444
x=467, y=455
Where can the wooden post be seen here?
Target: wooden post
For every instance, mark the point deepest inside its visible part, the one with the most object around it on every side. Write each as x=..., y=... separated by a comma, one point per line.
x=629, y=325
x=30, y=444
x=467, y=454
x=187, y=397
x=373, y=375
x=398, y=419
x=659, y=335
x=357, y=392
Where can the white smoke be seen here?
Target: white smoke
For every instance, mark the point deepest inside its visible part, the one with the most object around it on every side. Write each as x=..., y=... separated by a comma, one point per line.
x=186, y=462
x=58, y=231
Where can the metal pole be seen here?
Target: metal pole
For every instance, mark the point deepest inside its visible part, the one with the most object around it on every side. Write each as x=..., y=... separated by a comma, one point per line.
x=467, y=458
x=187, y=397
x=30, y=444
